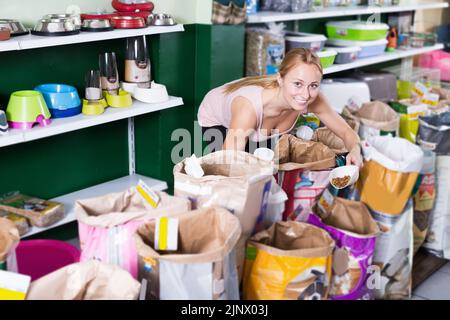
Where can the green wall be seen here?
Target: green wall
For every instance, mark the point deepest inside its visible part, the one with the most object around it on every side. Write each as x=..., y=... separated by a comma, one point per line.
x=189, y=63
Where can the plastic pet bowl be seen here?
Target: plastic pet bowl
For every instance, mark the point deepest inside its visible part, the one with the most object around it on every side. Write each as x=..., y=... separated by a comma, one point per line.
x=62, y=100
x=121, y=100
x=38, y=258
x=340, y=172
x=25, y=108
x=94, y=107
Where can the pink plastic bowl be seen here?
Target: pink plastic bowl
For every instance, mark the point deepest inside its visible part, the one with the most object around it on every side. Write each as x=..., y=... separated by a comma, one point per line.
x=38, y=258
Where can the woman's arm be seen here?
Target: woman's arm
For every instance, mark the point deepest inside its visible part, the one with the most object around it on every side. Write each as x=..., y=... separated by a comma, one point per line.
x=243, y=123
x=321, y=108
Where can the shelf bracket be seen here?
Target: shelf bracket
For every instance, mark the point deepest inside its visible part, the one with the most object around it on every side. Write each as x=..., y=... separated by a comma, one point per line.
x=131, y=147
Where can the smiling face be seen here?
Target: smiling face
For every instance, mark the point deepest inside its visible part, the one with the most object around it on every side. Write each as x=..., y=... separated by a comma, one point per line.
x=300, y=86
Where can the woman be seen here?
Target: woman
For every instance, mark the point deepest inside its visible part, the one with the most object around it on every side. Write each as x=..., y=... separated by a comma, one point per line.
x=252, y=107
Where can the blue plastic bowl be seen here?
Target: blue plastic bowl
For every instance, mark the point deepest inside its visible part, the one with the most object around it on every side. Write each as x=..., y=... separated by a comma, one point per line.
x=62, y=100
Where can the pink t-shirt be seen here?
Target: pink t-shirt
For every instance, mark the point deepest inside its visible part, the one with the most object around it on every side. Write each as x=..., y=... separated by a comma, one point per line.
x=215, y=109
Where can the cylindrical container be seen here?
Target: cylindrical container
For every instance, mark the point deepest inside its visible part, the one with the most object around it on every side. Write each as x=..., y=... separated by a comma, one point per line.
x=93, y=89
x=109, y=75
x=137, y=62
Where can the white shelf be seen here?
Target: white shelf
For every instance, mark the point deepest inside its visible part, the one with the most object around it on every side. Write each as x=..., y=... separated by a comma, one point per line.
x=268, y=16
x=387, y=56
x=117, y=185
x=31, y=41
x=81, y=121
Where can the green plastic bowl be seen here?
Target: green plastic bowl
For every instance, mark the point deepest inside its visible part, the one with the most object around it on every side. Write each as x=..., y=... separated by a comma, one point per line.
x=327, y=57
x=26, y=106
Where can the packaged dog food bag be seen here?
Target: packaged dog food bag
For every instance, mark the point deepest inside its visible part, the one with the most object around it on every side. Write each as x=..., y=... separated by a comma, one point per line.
x=289, y=261
x=353, y=229
x=393, y=254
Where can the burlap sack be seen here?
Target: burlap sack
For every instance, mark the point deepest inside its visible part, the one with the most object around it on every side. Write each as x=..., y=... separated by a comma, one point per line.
x=289, y=261
x=90, y=280
x=236, y=181
x=203, y=267
x=354, y=230
x=377, y=118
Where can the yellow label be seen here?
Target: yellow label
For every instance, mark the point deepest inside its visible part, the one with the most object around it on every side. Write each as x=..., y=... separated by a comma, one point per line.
x=146, y=196
x=163, y=227
x=6, y=294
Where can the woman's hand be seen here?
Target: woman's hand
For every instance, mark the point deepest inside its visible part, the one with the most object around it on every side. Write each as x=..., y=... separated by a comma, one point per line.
x=354, y=157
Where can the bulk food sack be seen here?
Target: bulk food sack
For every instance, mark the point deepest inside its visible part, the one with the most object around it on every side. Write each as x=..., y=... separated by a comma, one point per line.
x=203, y=266
x=106, y=224
x=330, y=139
x=434, y=133
x=438, y=238
x=234, y=180
x=89, y=280
x=393, y=254
x=303, y=173
x=264, y=50
x=377, y=119
x=351, y=226
x=289, y=261
x=391, y=167
x=9, y=239
x=424, y=199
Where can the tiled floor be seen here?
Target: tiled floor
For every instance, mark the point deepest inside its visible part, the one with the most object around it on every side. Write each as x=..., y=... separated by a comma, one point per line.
x=436, y=287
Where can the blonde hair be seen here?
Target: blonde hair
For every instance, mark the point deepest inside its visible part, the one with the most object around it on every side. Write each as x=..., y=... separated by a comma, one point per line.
x=292, y=58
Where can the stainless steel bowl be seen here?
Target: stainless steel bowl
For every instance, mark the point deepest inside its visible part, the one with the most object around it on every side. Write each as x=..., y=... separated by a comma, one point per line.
x=160, y=19
x=16, y=27
x=55, y=27
x=75, y=18
x=96, y=25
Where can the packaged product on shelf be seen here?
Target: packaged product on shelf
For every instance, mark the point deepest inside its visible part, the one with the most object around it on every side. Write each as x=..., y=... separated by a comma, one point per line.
x=424, y=199
x=234, y=180
x=41, y=213
x=353, y=229
x=282, y=5
x=434, y=133
x=390, y=170
x=20, y=222
x=106, y=224
x=89, y=280
x=264, y=50
x=203, y=267
x=289, y=261
x=393, y=254
x=436, y=60
x=438, y=238
x=9, y=239
x=382, y=84
x=303, y=173
x=409, y=117
x=266, y=5
x=377, y=119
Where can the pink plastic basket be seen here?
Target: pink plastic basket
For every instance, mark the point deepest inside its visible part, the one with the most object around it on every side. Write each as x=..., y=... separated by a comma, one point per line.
x=437, y=60
x=38, y=258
